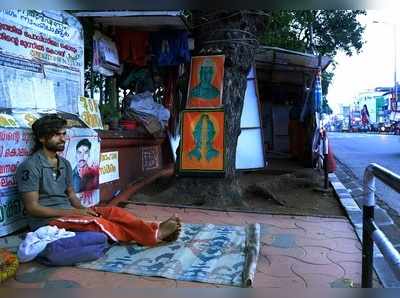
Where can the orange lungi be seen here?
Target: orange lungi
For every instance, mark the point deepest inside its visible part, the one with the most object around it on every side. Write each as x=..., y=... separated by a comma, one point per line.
x=119, y=225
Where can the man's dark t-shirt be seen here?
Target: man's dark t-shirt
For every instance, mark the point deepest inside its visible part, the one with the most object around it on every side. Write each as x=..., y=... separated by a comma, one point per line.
x=37, y=174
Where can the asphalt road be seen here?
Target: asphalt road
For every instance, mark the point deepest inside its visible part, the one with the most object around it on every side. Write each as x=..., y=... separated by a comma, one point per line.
x=357, y=150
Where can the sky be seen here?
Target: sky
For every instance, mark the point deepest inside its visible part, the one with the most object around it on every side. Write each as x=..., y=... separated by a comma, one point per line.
x=373, y=66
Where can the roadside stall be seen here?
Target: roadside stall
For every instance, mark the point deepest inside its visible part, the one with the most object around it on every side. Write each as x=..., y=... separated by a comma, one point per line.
x=288, y=82
x=138, y=65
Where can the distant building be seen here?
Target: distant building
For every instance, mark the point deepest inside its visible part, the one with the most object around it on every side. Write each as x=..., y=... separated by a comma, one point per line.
x=376, y=103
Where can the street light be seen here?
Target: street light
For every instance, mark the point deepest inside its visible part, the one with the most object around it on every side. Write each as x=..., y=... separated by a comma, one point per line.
x=395, y=58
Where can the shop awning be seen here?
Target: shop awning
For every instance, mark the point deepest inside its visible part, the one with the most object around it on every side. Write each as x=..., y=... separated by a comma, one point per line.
x=149, y=20
x=285, y=66
x=289, y=60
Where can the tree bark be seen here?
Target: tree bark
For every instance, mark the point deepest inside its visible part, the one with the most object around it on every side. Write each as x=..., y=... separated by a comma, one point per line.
x=233, y=34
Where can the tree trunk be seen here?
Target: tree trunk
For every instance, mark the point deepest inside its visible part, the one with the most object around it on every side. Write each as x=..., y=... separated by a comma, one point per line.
x=233, y=34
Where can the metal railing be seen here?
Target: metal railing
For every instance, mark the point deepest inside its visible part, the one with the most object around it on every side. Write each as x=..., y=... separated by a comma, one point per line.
x=371, y=232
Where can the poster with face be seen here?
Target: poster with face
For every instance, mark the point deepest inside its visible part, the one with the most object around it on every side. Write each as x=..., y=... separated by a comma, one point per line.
x=202, y=143
x=206, y=82
x=83, y=152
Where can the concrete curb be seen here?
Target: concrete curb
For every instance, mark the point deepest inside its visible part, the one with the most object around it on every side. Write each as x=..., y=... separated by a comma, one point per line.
x=354, y=213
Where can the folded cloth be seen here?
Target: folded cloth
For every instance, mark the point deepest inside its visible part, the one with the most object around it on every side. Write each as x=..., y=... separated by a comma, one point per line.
x=117, y=223
x=83, y=247
x=35, y=242
x=144, y=103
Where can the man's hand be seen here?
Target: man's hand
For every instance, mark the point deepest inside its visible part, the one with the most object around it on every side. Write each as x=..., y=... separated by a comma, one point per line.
x=87, y=212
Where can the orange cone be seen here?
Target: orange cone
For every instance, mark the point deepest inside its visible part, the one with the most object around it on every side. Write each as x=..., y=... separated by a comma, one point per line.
x=331, y=160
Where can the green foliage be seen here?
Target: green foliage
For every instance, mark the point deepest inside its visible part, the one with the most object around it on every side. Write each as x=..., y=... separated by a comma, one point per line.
x=109, y=112
x=332, y=30
x=322, y=32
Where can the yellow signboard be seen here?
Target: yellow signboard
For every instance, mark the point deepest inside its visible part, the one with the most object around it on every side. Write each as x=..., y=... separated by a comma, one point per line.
x=8, y=121
x=89, y=112
x=109, y=169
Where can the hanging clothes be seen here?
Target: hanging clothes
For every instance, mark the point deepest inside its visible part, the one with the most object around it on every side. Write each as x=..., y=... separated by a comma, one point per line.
x=170, y=47
x=171, y=96
x=133, y=46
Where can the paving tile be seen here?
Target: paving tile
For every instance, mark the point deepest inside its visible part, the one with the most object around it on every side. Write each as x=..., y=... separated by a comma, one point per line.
x=94, y=279
x=249, y=218
x=195, y=217
x=270, y=230
x=352, y=270
x=296, y=252
x=186, y=284
x=61, y=284
x=34, y=273
x=326, y=228
x=337, y=257
x=318, y=280
x=294, y=249
x=315, y=219
x=281, y=222
x=332, y=269
x=12, y=283
x=326, y=243
x=263, y=264
x=280, y=266
x=347, y=245
x=316, y=255
x=162, y=213
x=269, y=281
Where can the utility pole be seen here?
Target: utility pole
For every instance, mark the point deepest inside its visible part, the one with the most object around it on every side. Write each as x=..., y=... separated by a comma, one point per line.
x=395, y=61
x=395, y=65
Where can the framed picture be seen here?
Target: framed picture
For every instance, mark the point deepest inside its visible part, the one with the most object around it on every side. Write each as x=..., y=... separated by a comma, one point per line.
x=206, y=82
x=202, y=148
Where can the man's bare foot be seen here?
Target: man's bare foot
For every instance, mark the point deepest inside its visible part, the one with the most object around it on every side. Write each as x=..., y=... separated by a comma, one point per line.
x=175, y=235
x=169, y=230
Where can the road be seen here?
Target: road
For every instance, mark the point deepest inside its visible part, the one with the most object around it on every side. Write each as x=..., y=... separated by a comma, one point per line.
x=357, y=150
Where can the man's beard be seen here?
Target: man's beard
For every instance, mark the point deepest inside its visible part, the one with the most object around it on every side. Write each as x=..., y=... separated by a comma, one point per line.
x=55, y=146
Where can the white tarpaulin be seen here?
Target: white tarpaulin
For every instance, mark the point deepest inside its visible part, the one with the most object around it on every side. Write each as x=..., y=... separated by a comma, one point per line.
x=251, y=134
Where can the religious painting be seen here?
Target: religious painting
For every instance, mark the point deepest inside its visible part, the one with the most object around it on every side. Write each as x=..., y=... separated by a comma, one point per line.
x=202, y=144
x=206, y=82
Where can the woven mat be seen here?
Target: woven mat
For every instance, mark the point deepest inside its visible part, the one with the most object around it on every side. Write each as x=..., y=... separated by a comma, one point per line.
x=219, y=254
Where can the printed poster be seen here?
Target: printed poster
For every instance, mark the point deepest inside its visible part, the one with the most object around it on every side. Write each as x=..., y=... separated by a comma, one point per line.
x=82, y=150
x=109, y=168
x=206, y=82
x=89, y=112
x=15, y=146
x=41, y=60
x=202, y=142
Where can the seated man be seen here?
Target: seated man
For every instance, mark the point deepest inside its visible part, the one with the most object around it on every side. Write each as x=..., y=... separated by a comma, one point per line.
x=45, y=182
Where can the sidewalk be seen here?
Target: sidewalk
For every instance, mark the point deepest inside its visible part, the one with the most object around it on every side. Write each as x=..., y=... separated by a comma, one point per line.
x=296, y=252
x=350, y=193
